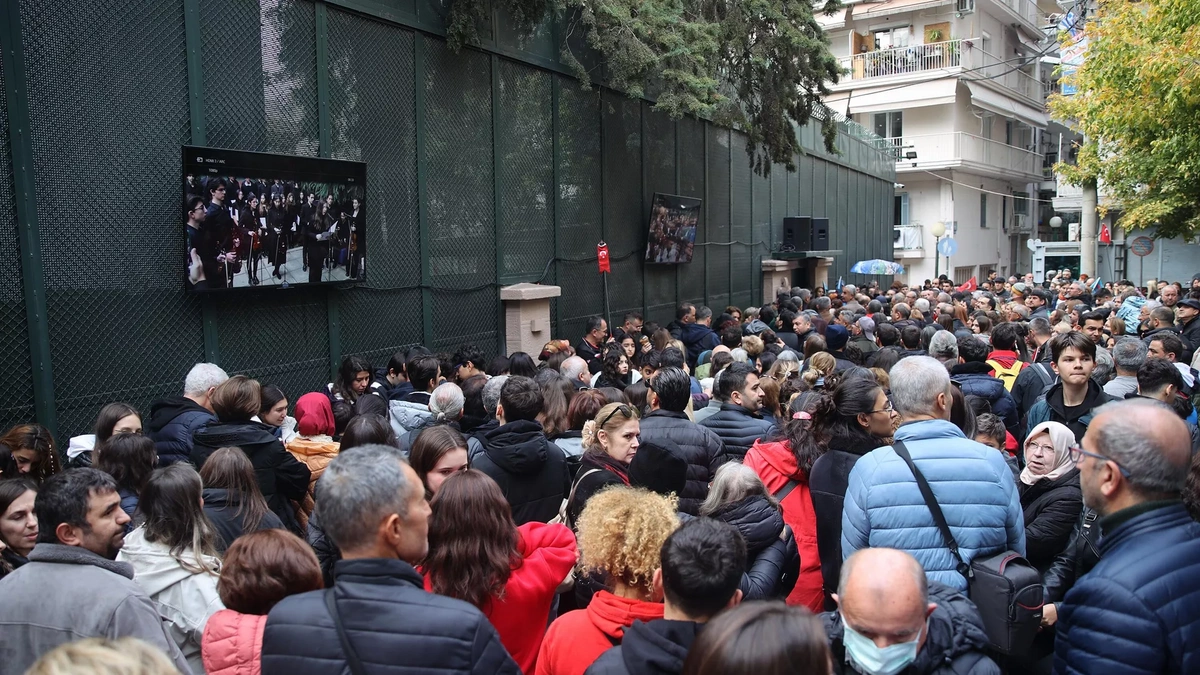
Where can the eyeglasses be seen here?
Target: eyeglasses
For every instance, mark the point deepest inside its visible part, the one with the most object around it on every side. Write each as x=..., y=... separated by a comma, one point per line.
x=887, y=409
x=1077, y=453
x=625, y=411
x=1044, y=448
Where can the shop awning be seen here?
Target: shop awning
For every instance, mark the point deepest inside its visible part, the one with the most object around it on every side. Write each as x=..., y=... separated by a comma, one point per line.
x=879, y=99
x=1000, y=104
x=868, y=10
x=833, y=21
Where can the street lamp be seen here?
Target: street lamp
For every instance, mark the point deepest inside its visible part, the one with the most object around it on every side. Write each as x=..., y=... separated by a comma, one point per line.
x=1056, y=222
x=938, y=230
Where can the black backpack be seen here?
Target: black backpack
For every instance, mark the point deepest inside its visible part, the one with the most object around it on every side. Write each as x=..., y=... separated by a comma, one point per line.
x=1007, y=590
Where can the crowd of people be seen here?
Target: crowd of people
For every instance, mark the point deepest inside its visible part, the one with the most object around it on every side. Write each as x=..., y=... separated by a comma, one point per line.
x=808, y=486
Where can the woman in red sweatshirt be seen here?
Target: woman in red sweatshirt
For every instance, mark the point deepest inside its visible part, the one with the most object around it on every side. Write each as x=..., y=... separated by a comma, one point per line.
x=621, y=532
x=477, y=554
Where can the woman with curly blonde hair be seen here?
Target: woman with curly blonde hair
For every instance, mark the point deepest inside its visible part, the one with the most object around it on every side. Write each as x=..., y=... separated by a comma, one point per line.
x=621, y=532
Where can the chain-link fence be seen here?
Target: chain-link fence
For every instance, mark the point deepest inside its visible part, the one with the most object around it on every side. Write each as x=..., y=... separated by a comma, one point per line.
x=484, y=168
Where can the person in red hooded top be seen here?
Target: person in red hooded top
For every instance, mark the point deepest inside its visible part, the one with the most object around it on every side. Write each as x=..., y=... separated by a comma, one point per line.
x=314, y=445
x=621, y=534
x=260, y=569
x=783, y=464
x=477, y=554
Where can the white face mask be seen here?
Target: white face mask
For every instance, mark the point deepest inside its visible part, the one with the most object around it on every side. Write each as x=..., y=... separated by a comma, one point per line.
x=873, y=660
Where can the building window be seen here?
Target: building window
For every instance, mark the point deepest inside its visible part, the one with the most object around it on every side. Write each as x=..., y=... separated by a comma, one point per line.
x=890, y=38
x=983, y=210
x=1021, y=203
x=900, y=217
x=962, y=274
x=889, y=125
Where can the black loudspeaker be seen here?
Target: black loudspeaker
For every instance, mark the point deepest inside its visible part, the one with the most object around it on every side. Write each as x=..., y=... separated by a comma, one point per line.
x=819, y=239
x=797, y=233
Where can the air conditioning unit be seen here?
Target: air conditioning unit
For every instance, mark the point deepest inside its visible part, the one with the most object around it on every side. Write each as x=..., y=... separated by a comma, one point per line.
x=1021, y=223
x=965, y=7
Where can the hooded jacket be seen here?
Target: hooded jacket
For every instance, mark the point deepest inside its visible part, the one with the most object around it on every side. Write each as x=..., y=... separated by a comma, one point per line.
x=576, y=639
x=232, y=643
x=1051, y=409
x=649, y=648
x=172, y=424
x=1135, y=612
x=67, y=593
x=956, y=644
x=771, y=563
x=393, y=625
x=530, y=470
x=697, y=339
x=701, y=447
x=776, y=466
x=185, y=599
x=975, y=379
x=547, y=557
x=972, y=484
x=1051, y=508
x=221, y=506
x=828, y=480
x=314, y=446
x=738, y=428
x=281, y=477
x=406, y=415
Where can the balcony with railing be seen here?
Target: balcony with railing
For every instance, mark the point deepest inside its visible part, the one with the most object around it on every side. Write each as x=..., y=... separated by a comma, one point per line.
x=907, y=241
x=940, y=59
x=955, y=149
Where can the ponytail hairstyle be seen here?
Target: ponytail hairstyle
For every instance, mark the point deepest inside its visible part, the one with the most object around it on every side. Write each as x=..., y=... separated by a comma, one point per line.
x=853, y=394
x=820, y=365
x=610, y=418
x=804, y=429
x=447, y=403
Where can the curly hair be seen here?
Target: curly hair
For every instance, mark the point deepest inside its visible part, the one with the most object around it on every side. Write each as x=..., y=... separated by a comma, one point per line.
x=621, y=533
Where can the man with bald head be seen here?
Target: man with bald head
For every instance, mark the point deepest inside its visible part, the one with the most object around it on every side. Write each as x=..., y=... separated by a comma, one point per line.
x=890, y=620
x=576, y=371
x=1136, y=610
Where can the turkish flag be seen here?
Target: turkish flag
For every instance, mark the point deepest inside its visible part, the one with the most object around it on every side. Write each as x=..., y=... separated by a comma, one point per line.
x=602, y=258
x=1105, y=234
x=970, y=286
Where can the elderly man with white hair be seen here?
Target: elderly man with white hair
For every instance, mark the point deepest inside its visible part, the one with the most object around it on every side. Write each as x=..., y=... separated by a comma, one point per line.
x=972, y=483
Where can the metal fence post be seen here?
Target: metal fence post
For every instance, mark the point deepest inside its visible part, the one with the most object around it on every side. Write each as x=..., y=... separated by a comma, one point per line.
x=33, y=281
x=422, y=187
x=497, y=202
x=325, y=149
x=556, y=158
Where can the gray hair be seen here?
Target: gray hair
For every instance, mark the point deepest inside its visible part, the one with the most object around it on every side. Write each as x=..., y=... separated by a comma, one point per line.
x=703, y=313
x=491, y=394
x=943, y=345
x=822, y=303
x=850, y=287
x=788, y=355
x=732, y=483
x=916, y=383
x=922, y=304
x=203, y=377
x=902, y=309
x=573, y=367
x=1129, y=354
x=1145, y=456
x=739, y=355
x=1020, y=310
x=847, y=315
x=804, y=294
x=358, y=489
x=1103, y=370
x=1040, y=325
x=446, y=402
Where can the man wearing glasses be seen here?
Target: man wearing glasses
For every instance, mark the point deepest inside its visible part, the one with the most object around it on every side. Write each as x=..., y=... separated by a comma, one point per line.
x=1136, y=610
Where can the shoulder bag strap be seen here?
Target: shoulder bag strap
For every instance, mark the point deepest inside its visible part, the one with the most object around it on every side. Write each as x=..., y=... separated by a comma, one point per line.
x=786, y=490
x=356, y=666
x=934, y=509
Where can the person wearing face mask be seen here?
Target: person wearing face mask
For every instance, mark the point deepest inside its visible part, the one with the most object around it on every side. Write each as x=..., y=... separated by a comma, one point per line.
x=890, y=620
x=73, y=587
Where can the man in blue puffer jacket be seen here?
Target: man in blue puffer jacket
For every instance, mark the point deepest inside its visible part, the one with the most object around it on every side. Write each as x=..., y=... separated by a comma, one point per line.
x=1135, y=611
x=971, y=482
x=174, y=420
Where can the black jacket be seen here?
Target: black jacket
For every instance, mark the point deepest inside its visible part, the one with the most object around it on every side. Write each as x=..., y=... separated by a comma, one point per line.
x=655, y=648
x=1051, y=509
x=222, y=509
x=328, y=553
x=171, y=425
x=955, y=646
x=1190, y=332
x=1033, y=380
x=392, y=624
x=1186, y=356
x=1077, y=559
x=738, y=428
x=281, y=477
x=588, y=482
x=975, y=380
x=702, y=448
x=772, y=564
x=592, y=355
x=827, y=483
x=531, y=471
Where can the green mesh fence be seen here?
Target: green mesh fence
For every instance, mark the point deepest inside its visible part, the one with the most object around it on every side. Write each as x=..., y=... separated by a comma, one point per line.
x=522, y=172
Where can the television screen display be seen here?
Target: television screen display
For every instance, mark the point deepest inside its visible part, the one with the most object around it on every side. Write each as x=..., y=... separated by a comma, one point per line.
x=673, y=221
x=257, y=220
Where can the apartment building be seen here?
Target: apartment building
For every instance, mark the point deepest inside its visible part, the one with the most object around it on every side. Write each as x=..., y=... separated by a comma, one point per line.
x=958, y=87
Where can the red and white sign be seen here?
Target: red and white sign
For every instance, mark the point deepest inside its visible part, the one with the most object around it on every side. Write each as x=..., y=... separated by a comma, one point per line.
x=602, y=258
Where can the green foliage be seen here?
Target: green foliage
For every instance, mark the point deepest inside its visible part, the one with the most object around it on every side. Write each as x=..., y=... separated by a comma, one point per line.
x=1138, y=103
x=758, y=65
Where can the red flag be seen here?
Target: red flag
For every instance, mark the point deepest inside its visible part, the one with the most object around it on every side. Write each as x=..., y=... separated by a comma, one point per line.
x=1105, y=234
x=970, y=286
x=602, y=258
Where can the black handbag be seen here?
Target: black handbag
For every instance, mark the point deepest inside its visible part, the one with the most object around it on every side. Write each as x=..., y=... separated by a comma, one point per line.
x=1005, y=587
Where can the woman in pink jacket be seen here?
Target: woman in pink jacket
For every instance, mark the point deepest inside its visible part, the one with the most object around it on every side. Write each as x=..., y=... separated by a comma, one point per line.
x=260, y=569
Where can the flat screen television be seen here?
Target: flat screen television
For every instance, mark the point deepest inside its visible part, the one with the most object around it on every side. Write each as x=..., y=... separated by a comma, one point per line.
x=258, y=220
x=673, y=221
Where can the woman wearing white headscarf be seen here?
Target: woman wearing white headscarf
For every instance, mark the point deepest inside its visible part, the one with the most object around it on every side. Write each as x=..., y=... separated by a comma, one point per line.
x=1050, y=494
